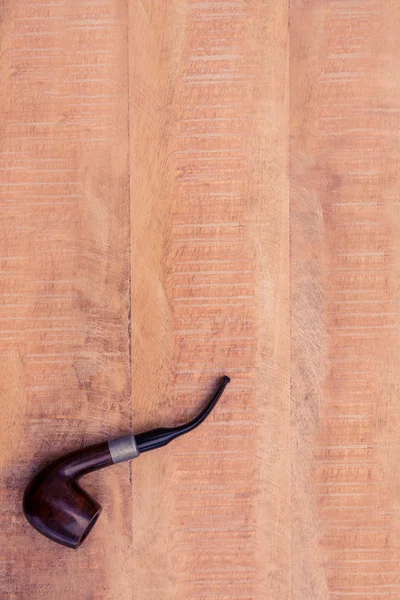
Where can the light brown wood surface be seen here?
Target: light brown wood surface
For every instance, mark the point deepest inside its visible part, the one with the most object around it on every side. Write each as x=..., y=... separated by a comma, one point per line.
x=209, y=232
x=344, y=117
x=65, y=271
x=145, y=160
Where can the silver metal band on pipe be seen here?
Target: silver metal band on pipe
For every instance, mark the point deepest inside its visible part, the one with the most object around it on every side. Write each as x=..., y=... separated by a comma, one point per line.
x=123, y=448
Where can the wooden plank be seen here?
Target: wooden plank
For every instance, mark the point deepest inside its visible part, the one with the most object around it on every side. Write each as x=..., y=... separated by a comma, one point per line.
x=344, y=90
x=208, y=133
x=64, y=276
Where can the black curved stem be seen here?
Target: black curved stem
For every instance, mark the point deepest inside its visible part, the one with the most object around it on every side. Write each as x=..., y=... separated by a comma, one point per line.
x=149, y=440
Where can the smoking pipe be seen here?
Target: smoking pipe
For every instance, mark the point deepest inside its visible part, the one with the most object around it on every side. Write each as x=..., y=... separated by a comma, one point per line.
x=59, y=508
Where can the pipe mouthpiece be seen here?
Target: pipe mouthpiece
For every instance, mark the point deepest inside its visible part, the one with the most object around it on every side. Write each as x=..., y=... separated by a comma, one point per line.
x=150, y=440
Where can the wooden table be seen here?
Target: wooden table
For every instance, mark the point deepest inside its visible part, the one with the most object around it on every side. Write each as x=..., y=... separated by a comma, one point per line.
x=154, y=157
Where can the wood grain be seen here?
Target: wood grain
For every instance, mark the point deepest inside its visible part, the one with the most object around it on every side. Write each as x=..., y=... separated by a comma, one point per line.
x=209, y=201
x=344, y=90
x=144, y=251
x=64, y=277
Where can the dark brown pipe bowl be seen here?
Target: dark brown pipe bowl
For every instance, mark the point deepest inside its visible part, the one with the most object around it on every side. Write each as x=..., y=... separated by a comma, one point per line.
x=60, y=509
x=54, y=502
